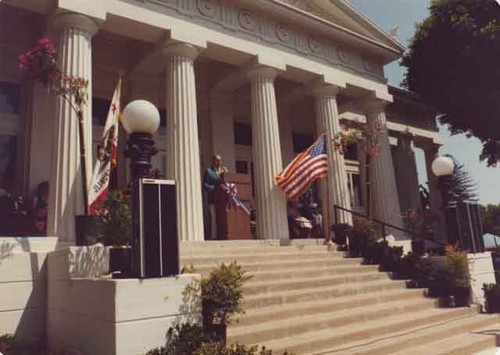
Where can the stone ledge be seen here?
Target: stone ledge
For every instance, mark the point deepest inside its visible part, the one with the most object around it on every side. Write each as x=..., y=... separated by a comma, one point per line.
x=99, y=315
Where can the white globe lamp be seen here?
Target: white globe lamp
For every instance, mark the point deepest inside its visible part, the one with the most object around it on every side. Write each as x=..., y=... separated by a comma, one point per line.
x=443, y=166
x=141, y=120
x=141, y=116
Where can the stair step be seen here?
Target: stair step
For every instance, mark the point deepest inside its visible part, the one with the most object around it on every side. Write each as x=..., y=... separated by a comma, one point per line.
x=314, y=341
x=461, y=344
x=299, y=272
x=262, y=287
x=283, y=311
x=276, y=264
x=319, y=293
x=403, y=341
x=295, y=326
x=222, y=250
x=294, y=254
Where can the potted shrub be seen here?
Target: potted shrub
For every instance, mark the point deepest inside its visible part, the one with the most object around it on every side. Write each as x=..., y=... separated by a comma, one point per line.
x=409, y=267
x=492, y=296
x=361, y=236
x=222, y=298
x=116, y=230
x=391, y=258
x=438, y=282
x=341, y=233
x=458, y=276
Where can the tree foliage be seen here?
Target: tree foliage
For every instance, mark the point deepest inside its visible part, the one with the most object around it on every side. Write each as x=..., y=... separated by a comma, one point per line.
x=490, y=216
x=453, y=64
x=459, y=187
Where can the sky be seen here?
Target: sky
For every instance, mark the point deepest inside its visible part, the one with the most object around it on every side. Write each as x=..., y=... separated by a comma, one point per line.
x=405, y=14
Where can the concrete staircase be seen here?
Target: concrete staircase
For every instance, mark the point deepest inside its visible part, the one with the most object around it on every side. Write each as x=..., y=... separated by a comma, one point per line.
x=307, y=299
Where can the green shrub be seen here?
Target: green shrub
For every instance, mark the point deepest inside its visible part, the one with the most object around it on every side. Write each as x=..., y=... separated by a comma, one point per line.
x=457, y=267
x=183, y=339
x=116, y=220
x=492, y=296
x=222, y=293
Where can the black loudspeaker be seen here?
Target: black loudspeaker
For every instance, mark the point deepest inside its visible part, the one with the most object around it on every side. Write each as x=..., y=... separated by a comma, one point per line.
x=464, y=226
x=155, y=243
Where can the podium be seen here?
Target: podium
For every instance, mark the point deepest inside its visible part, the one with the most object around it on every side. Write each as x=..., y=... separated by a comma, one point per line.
x=238, y=222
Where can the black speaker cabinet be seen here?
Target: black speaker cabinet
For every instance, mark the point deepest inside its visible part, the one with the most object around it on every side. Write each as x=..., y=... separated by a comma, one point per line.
x=464, y=226
x=155, y=243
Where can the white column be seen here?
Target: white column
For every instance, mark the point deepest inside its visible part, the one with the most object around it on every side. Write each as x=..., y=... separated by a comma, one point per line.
x=384, y=199
x=328, y=122
x=221, y=113
x=183, y=152
x=270, y=199
x=75, y=58
x=406, y=174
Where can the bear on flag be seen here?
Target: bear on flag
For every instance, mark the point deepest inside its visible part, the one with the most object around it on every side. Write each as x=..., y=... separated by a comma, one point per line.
x=106, y=156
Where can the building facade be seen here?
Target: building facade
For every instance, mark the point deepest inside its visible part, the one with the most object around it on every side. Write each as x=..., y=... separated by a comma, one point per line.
x=254, y=81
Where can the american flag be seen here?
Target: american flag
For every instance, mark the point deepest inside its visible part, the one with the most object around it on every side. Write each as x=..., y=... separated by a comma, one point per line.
x=308, y=166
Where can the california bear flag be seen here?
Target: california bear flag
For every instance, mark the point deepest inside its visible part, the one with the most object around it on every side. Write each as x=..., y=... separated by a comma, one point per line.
x=106, y=156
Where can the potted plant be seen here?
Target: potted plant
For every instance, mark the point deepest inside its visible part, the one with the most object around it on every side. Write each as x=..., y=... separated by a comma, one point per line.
x=39, y=65
x=222, y=298
x=391, y=258
x=116, y=230
x=362, y=234
x=492, y=296
x=341, y=233
x=457, y=271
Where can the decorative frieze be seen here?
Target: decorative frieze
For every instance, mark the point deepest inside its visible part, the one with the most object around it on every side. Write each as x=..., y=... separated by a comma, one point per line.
x=229, y=16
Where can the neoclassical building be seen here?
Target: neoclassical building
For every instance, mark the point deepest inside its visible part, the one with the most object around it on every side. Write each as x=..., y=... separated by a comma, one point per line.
x=255, y=81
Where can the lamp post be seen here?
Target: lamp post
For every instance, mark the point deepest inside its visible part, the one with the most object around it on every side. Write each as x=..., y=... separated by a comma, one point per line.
x=443, y=167
x=141, y=120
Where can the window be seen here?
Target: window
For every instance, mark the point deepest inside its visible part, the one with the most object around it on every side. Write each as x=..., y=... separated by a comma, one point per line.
x=351, y=152
x=241, y=167
x=242, y=134
x=354, y=186
x=8, y=153
x=10, y=94
x=100, y=110
x=301, y=141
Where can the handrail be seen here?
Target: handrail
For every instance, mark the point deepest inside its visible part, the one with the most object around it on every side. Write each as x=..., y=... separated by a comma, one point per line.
x=385, y=224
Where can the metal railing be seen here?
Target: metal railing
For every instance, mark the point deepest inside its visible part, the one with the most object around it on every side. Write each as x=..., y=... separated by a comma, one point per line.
x=385, y=225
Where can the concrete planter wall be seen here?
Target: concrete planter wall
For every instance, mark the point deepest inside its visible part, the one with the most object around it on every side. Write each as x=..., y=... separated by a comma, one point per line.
x=23, y=285
x=90, y=314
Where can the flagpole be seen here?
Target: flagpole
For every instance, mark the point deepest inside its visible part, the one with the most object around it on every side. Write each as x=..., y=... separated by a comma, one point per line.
x=328, y=221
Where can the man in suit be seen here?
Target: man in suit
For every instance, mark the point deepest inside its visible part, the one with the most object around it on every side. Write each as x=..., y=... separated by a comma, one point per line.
x=212, y=179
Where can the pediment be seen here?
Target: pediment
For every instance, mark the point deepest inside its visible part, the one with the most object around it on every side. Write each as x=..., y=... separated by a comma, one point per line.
x=342, y=13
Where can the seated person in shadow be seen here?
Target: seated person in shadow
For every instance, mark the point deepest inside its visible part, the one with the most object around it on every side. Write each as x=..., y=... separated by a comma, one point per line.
x=14, y=219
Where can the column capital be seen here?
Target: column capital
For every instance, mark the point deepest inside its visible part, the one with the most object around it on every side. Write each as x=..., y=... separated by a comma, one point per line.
x=325, y=89
x=371, y=106
x=262, y=71
x=73, y=20
x=179, y=49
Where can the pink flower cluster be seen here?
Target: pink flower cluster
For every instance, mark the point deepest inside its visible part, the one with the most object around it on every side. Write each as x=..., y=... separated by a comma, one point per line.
x=39, y=63
x=345, y=137
x=371, y=134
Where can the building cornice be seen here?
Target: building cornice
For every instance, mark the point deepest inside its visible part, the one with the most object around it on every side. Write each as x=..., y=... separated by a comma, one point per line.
x=384, y=51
